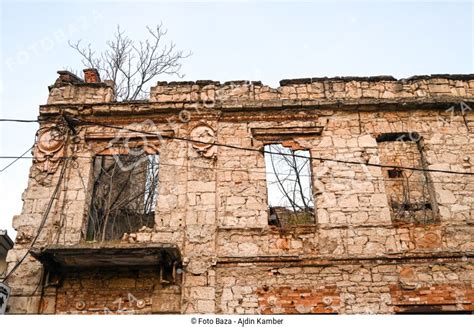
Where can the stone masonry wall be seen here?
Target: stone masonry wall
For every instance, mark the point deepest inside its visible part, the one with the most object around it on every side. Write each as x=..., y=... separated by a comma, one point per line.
x=212, y=199
x=345, y=287
x=378, y=87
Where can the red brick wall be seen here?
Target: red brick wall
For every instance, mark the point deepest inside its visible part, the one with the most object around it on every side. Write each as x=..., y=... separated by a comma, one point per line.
x=290, y=300
x=461, y=295
x=139, y=292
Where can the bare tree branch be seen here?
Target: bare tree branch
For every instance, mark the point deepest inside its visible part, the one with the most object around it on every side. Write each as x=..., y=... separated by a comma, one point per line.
x=292, y=176
x=134, y=65
x=123, y=200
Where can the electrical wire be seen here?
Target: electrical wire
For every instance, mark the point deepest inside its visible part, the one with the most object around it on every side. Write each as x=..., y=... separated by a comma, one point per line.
x=22, y=156
x=42, y=223
x=19, y=120
x=86, y=122
x=262, y=171
x=270, y=152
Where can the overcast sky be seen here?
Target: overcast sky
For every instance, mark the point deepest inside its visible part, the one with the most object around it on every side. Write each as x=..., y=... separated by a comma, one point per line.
x=266, y=41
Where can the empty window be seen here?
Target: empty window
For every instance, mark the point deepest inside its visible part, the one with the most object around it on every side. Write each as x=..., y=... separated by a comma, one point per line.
x=395, y=173
x=409, y=192
x=289, y=186
x=123, y=196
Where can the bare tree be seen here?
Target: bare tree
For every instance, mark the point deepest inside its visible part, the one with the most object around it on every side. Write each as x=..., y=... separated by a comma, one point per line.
x=291, y=201
x=132, y=65
x=122, y=200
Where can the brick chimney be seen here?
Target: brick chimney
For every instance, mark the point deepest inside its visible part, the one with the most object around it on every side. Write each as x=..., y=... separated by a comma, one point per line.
x=91, y=75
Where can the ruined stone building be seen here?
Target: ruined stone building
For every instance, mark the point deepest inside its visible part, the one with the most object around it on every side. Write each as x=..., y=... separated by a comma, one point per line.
x=162, y=205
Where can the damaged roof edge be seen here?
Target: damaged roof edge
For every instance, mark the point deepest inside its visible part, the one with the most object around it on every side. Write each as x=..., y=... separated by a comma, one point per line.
x=379, y=78
x=285, y=82
x=67, y=90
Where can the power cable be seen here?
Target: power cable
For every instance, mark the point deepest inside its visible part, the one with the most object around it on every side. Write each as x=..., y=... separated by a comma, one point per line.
x=22, y=156
x=19, y=120
x=270, y=152
x=250, y=170
x=43, y=221
x=252, y=149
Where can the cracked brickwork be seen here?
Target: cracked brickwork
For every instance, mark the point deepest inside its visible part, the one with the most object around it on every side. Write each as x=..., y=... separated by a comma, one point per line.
x=212, y=200
x=101, y=292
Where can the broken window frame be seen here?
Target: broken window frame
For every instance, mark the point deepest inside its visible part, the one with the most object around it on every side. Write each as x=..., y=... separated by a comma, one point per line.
x=289, y=135
x=398, y=174
x=300, y=210
x=98, y=228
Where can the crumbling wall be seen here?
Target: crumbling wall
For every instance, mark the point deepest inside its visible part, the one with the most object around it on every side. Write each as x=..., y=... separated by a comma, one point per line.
x=212, y=199
x=343, y=287
x=117, y=292
x=253, y=93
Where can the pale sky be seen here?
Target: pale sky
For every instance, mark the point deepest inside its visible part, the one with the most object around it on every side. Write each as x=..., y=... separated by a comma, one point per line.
x=260, y=40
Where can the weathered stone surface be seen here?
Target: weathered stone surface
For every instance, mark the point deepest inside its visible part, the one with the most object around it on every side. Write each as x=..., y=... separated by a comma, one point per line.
x=371, y=250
